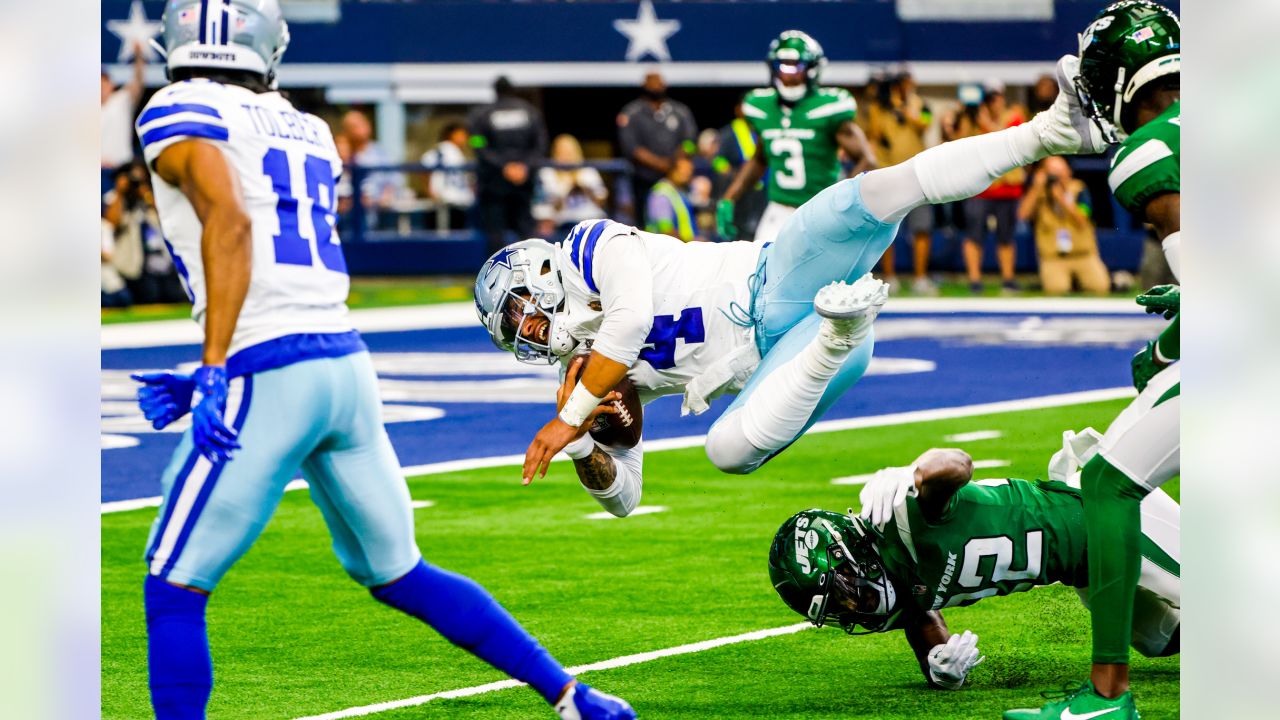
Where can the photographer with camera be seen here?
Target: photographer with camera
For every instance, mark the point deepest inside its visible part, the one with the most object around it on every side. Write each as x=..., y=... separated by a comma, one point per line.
x=1059, y=207
x=133, y=245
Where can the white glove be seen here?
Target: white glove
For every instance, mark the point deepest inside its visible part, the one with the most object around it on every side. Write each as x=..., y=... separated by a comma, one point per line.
x=887, y=489
x=950, y=662
x=1077, y=449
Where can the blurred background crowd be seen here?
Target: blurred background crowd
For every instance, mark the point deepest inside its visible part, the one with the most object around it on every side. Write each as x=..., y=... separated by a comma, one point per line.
x=533, y=161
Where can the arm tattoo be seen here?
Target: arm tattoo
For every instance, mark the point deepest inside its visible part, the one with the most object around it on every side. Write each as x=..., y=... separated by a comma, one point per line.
x=596, y=471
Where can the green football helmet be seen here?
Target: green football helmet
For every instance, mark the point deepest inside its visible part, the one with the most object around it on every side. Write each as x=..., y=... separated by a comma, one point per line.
x=1127, y=46
x=826, y=567
x=794, y=52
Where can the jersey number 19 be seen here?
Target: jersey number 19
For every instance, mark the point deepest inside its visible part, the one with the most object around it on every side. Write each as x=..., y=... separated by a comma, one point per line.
x=291, y=247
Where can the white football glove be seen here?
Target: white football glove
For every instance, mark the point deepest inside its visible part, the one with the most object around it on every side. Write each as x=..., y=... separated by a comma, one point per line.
x=887, y=489
x=950, y=662
x=1077, y=449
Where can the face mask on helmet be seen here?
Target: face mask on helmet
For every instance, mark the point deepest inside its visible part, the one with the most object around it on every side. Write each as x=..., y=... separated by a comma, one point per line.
x=791, y=80
x=520, y=300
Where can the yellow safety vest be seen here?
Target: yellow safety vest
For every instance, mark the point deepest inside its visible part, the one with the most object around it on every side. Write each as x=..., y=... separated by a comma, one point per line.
x=684, y=214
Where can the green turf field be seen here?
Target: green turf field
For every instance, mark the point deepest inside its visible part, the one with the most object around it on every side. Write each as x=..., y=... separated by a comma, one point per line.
x=292, y=637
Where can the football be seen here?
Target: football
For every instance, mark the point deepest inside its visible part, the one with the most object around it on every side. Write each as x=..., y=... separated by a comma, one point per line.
x=621, y=431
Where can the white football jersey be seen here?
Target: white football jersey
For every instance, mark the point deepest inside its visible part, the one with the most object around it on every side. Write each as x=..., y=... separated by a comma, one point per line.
x=287, y=166
x=687, y=305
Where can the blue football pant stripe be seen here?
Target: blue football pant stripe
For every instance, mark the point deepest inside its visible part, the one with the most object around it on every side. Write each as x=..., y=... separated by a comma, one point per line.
x=203, y=498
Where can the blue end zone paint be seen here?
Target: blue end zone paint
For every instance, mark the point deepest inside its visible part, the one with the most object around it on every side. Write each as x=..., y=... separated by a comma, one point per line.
x=966, y=374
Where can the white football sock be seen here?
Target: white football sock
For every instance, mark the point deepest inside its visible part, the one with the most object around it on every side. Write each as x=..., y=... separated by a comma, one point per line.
x=951, y=171
x=781, y=406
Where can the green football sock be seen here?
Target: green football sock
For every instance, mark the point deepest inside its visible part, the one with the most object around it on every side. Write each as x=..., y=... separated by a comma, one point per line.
x=1113, y=527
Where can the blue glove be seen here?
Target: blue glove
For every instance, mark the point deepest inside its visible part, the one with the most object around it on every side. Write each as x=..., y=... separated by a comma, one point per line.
x=164, y=396
x=209, y=431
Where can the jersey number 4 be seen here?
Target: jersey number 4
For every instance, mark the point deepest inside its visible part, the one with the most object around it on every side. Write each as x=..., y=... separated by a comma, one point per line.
x=291, y=247
x=666, y=331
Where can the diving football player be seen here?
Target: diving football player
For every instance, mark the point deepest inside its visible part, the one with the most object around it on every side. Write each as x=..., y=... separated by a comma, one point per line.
x=1129, y=83
x=929, y=538
x=244, y=184
x=802, y=126
x=786, y=325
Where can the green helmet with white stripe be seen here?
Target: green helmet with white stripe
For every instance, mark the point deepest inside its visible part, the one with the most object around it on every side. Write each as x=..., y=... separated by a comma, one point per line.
x=826, y=566
x=246, y=35
x=1127, y=47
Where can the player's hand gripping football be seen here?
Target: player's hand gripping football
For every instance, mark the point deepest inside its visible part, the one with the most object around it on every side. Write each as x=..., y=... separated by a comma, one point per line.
x=555, y=435
x=1163, y=300
x=887, y=489
x=950, y=662
x=209, y=430
x=164, y=397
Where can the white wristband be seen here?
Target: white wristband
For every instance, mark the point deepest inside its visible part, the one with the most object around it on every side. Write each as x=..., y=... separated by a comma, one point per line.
x=580, y=448
x=578, y=407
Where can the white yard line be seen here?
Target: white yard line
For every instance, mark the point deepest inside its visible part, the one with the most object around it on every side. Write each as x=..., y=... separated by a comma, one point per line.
x=1035, y=403
x=463, y=314
x=610, y=664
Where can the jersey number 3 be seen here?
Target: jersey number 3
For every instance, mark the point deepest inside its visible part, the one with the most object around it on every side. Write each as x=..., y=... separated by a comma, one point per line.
x=291, y=247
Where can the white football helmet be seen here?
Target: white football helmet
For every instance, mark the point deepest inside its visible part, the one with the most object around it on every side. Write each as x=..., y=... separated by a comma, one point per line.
x=224, y=34
x=516, y=283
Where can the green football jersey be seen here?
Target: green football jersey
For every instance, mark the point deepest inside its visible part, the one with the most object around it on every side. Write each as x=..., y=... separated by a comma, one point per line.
x=1147, y=163
x=799, y=141
x=996, y=537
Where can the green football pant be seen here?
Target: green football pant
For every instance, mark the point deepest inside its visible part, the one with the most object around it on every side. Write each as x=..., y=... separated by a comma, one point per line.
x=1138, y=453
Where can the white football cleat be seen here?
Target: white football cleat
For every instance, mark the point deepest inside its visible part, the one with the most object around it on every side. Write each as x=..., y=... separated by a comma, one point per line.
x=1064, y=129
x=849, y=310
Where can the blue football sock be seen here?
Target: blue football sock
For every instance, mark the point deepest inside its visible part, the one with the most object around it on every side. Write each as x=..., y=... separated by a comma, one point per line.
x=468, y=616
x=177, y=651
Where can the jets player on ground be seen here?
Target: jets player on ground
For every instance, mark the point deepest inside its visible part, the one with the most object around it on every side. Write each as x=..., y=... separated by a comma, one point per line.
x=245, y=188
x=802, y=127
x=1130, y=59
x=778, y=324
x=928, y=538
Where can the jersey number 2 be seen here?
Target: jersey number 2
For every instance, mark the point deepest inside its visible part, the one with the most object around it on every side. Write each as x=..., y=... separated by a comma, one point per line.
x=291, y=247
x=791, y=175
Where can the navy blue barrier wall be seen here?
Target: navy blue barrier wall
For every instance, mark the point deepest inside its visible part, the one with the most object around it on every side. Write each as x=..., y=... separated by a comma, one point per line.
x=445, y=31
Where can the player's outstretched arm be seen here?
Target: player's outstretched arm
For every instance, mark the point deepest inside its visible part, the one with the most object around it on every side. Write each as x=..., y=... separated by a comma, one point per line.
x=748, y=175
x=925, y=630
x=1164, y=212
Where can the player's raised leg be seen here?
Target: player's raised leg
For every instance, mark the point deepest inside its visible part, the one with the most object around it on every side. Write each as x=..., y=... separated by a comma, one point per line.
x=809, y=368
x=356, y=482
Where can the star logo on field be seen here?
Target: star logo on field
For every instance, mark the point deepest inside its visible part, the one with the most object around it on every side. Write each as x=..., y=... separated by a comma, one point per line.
x=137, y=30
x=647, y=35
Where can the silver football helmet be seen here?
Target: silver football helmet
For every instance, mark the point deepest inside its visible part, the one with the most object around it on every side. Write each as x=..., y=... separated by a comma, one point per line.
x=225, y=34
x=520, y=283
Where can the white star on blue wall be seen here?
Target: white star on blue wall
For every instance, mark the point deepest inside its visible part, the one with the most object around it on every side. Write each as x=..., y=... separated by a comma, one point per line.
x=137, y=30
x=647, y=35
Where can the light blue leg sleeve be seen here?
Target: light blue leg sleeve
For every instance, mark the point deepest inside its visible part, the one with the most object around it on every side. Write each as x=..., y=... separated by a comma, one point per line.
x=832, y=237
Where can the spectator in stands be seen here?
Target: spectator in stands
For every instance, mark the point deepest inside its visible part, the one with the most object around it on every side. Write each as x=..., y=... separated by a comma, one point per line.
x=653, y=131
x=570, y=194
x=998, y=204
x=897, y=127
x=508, y=136
x=451, y=188
x=670, y=211
x=136, y=249
x=379, y=190
x=738, y=144
x=1043, y=93
x=119, y=106
x=1058, y=206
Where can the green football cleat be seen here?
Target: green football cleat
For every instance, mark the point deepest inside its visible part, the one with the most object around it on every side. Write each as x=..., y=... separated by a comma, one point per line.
x=1082, y=703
